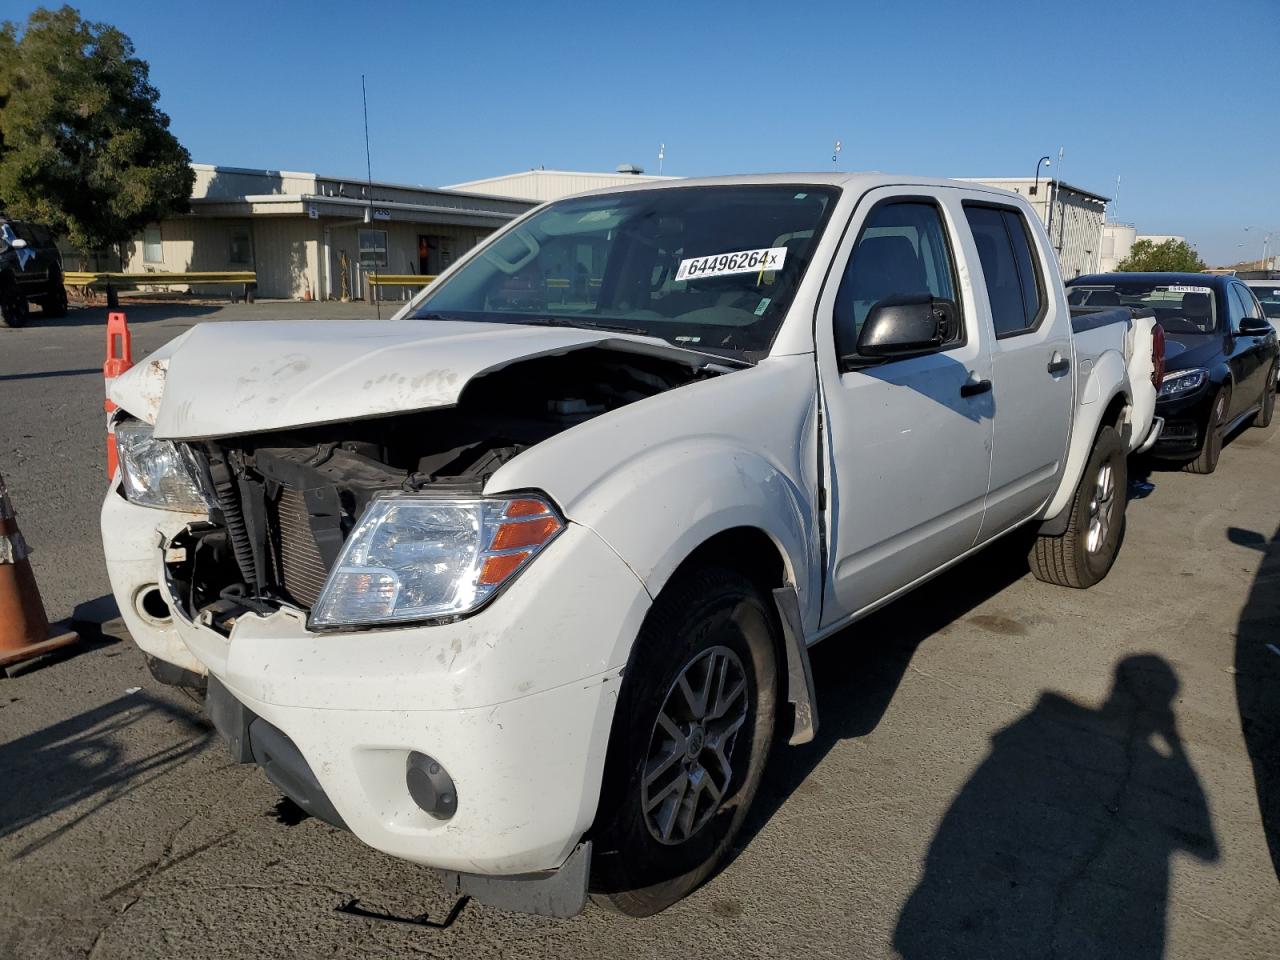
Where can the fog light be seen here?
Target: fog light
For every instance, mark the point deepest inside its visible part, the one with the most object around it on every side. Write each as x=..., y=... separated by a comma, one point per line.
x=430, y=786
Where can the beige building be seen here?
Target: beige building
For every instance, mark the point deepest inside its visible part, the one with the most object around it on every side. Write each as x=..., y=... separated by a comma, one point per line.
x=1073, y=216
x=309, y=236
x=544, y=185
x=1118, y=240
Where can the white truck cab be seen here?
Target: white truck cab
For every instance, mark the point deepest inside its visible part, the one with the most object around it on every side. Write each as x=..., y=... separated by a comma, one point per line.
x=520, y=584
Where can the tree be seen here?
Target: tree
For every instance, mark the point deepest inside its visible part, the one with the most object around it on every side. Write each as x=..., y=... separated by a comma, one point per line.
x=1176, y=256
x=83, y=146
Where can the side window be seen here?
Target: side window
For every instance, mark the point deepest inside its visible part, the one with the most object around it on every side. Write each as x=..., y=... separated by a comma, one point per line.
x=1015, y=286
x=901, y=251
x=1247, y=302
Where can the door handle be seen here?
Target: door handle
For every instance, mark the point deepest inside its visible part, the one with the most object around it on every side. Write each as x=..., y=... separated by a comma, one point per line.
x=1060, y=365
x=975, y=387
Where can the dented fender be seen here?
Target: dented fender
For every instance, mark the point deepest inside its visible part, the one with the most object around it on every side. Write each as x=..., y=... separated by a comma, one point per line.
x=659, y=478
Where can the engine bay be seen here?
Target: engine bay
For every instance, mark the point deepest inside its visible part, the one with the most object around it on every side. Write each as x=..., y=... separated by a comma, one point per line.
x=288, y=500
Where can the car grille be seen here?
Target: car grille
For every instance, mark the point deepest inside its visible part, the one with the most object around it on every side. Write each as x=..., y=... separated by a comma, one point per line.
x=301, y=569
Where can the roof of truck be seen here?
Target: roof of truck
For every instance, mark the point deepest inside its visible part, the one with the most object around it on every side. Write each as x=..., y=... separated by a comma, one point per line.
x=863, y=181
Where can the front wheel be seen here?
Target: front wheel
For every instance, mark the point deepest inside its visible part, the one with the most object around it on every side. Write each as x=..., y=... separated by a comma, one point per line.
x=1084, y=553
x=13, y=305
x=691, y=733
x=1206, y=460
x=1268, y=408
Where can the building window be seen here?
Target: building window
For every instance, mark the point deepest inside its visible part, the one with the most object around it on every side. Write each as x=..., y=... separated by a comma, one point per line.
x=241, y=246
x=152, y=247
x=373, y=248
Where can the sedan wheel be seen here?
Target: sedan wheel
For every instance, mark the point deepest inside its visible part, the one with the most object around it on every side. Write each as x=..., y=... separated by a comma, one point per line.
x=1268, y=407
x=1211, y=449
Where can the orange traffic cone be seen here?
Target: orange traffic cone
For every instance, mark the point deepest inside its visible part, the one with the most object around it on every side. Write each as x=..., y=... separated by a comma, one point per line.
x=24, y=625
x=119, y=359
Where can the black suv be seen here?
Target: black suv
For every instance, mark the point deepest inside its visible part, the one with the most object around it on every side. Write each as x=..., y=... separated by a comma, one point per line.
x=30, y=271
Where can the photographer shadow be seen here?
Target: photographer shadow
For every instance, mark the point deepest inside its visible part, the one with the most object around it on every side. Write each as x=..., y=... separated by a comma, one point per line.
x=1060, y=842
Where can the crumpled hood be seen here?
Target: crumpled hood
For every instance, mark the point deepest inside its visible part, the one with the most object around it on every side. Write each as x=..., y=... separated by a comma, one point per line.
x=223, y=379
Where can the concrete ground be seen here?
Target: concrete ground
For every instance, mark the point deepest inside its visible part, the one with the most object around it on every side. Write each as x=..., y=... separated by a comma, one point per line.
x=1004, y=768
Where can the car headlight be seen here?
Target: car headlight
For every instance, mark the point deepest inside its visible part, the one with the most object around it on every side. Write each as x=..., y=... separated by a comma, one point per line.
x=416, y=557
x=160, y=473
x=1179, y=382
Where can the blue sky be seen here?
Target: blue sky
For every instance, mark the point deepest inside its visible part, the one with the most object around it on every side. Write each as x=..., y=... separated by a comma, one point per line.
x=1179, y=99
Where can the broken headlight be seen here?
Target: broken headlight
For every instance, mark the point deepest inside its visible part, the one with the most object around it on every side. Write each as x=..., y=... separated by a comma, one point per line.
x=414, y=557
x=160, y=473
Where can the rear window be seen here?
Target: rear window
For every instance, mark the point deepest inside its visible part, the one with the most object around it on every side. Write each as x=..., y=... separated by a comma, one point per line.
x=1269, y=297
x=1183, y=309
x=1014, y=285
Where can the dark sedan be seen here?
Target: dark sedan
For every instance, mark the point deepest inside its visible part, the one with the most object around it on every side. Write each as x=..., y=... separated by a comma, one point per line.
x=1220, y=355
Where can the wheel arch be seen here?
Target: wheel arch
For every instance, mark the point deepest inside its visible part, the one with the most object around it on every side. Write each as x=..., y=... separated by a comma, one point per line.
x=1114, y=413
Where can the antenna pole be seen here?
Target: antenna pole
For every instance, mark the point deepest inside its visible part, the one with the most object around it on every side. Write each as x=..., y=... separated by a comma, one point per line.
x=368, y=167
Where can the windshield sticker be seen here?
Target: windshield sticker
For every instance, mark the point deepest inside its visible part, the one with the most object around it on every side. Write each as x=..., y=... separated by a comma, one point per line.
x=762, y=306
x=724, y=264
x=1181, y=289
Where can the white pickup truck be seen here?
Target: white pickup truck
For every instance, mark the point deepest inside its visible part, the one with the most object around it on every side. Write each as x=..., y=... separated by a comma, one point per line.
x=520, y=584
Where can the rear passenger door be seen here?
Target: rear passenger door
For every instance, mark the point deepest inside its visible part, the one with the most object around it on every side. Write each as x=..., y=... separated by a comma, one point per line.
x=910, y=438
x=1249, y=347
x=1030, y=364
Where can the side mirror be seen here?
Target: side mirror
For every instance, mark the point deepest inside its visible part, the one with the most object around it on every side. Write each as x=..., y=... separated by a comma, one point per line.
x=18, y=243
x=1255, y=327
x=906, y=326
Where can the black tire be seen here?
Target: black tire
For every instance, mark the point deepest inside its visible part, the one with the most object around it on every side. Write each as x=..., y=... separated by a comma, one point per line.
x=13, y=305
x=1206, y=460
x=1268, y=409
x=692, y=622
x=54, y=303
x=1083, y=555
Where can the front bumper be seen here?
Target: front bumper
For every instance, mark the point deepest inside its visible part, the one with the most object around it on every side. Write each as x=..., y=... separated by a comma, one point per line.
x=1184, y=421
x=516, y=702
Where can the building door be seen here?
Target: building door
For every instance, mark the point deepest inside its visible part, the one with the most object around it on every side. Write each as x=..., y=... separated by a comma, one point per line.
x=435, y=254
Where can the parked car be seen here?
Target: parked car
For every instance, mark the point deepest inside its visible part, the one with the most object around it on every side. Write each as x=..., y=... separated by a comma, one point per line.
x=30, y=271
x=1220, y=356
x=522, y=590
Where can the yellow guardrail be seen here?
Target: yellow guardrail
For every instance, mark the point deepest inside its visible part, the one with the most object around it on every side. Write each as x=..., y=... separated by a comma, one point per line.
x=82, y=278
x=399, y=279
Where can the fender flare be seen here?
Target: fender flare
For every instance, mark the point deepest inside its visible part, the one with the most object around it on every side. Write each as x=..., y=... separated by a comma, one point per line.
x=1090, y=418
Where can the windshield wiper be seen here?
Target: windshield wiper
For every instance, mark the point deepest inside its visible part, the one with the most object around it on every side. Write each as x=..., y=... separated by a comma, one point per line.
x=582, y=323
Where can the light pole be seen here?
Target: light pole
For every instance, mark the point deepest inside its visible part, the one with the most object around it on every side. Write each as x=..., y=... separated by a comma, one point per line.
x=1053, y=199
x=1042, y=162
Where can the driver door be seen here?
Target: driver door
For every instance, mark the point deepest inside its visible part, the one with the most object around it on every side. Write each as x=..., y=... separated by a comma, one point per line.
x=909, y=439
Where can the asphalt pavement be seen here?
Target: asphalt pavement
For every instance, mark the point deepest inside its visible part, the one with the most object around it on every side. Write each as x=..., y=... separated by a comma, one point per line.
x=1004, y=769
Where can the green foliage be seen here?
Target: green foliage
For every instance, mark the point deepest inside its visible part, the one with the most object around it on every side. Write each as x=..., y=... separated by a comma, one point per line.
x=83, y=146
x=1176, y=256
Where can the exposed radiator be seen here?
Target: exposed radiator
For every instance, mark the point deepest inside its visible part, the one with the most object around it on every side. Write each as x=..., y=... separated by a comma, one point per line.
x=302, y=569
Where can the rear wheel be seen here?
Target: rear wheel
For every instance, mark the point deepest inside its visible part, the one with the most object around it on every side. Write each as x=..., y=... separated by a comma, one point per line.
x=1084, y=553
x=691, y=732
x=1268, y=410
x=54, y=302
x=1206, y=460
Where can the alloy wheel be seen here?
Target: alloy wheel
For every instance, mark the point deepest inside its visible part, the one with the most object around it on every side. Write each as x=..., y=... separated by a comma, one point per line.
x=689, y=767
x=1101, y=508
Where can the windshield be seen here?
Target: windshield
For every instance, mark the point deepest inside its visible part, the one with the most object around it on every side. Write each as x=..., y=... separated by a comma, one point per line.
x=1182, y=309
x=708, y=268
x=1269, y=297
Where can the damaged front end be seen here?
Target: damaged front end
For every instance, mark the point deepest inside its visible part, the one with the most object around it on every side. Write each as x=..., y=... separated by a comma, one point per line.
x=288, y=501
